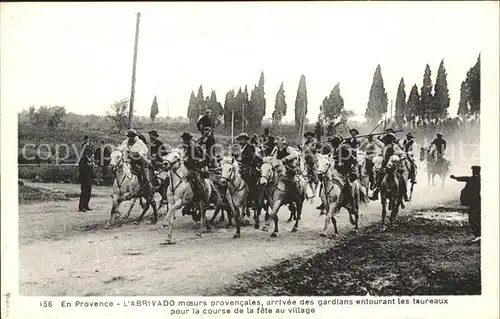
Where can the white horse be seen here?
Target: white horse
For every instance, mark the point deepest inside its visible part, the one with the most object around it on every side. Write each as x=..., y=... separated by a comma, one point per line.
x=236, y=192
x=180, y=192
x=126, y=187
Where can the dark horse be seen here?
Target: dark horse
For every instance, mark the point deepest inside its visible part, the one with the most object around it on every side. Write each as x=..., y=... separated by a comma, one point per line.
x=436, y=165
x=393, y=188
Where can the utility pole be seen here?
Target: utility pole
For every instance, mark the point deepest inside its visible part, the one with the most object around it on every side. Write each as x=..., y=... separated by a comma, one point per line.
x=132, y=89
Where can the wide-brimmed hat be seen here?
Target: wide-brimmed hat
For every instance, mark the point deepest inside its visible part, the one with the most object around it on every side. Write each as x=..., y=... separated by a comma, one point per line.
x=409, y=134
x=153, y=133
x=439, y=134
x=131, y=132
x=207, y=110
x=389, y=130
x=186, y=136
x=476, y=168
x=309, y=134
x=354, y=130
x=389, y=136
x=242, y=136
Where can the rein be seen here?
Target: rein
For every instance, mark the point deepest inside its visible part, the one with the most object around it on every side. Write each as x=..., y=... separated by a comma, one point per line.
x=172, y=188
x=231, y=179
x=271, y=181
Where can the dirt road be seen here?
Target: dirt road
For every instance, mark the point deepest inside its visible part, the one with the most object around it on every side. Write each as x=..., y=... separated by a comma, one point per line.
x=66, y=252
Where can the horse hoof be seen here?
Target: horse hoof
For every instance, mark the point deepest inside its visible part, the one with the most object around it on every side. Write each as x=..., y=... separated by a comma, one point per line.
x=137, y=222
x=167, y=243
x=265, y=228
x=236, y=236
x=153, y=222
x=274, y=235
x=125, y=217
x=323, y=234
x=107, y=226
x=256, y=226
x=288, y=221
x=199, y=234
x=294, y=230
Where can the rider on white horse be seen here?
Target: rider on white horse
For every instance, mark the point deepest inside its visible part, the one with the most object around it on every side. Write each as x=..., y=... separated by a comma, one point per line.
x=390, y=148
x=289, y=156
x=409, y=146
x=136, y=151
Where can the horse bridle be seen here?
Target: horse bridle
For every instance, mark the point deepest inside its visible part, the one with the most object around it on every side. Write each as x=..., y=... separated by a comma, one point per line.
x=231, y=178
x=172, y=171
x=114, y=169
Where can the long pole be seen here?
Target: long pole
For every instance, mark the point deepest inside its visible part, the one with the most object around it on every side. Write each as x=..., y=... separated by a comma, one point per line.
x=132, y=89
x=232, y=126
x=243, y=119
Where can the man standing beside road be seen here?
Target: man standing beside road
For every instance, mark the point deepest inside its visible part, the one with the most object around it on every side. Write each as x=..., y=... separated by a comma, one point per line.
x=86, y=174
x=471, y=197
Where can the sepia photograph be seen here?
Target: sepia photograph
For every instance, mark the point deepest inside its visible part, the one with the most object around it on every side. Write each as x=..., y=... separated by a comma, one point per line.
x=265, y=149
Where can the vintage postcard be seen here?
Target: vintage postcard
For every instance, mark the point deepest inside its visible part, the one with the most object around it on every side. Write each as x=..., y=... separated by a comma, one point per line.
x=250, y=159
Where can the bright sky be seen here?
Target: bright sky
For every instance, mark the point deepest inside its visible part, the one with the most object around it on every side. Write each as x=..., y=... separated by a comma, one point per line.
x=80, y=55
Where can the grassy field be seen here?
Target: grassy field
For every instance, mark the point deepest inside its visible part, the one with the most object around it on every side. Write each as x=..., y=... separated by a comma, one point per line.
x=418, y=257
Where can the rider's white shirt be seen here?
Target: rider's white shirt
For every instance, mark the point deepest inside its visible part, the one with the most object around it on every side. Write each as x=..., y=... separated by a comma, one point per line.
x=138, y=147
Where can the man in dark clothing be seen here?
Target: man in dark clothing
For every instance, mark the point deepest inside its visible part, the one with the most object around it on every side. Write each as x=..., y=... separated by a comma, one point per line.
x=269, y=145
x=86, y=144
x=471, y=197
x=352, y=141
x=86, y=173
x=205, y=121
x=266, y=135
x=309, y=151
x=195, y=162
x=439, y=146
x=247, y=159
x=208, y=141
x=156, y=152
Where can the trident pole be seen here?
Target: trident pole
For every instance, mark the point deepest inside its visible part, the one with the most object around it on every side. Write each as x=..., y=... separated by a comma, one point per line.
x=132, y=89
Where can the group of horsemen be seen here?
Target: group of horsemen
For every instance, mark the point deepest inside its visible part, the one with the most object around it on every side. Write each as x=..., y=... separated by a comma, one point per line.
x=199, y=157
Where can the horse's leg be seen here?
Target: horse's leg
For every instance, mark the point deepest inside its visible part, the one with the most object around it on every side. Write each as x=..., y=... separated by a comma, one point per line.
x=396, y=201
x=298, y=205
x=155, y=210
x=256, y=217
x=383, y=200
x=216, y=212
x=149, y=202
x=204, y=222
x=293, y=212
x=114, y=209
x=169, y=219
x=132, y=204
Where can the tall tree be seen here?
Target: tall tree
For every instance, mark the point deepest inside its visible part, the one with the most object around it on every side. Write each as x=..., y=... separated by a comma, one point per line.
x=279, y=106
x=200, y=103
x=259, y=103
x=229, y=105
x=474, y=88
x=413, y=105
x=425, y=111
x=441, y=100
x=118, y=114
x=191, y=108
x=301, y=102
x=154, y=109
x=377, y=102
x=399, y=115
x=319, y=129
x=213, y=97
x=333, y=105
x=463, y=104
